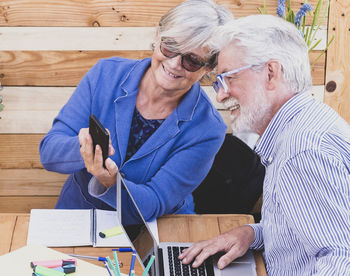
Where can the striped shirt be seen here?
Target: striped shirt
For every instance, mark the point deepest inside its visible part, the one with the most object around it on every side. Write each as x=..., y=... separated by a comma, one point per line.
x=305, y=226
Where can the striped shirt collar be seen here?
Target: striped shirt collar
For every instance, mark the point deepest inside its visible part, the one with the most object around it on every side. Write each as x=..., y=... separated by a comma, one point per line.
x=286, y=113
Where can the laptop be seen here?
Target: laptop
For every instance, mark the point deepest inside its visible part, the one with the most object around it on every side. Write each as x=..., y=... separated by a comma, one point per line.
x=166, y=262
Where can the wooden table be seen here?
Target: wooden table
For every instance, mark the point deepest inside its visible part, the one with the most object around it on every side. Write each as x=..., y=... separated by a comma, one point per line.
x=182, y=228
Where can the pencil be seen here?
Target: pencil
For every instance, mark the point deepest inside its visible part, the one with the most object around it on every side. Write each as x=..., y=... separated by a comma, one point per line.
x=112, y=266
x=116, y=263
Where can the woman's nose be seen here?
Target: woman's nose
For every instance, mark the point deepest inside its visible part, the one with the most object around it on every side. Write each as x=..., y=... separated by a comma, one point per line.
x=175, y=62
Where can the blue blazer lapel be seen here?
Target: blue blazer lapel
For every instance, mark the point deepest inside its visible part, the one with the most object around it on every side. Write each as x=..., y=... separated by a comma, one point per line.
x=124, y=105
x=170, y=127
x=124, y=109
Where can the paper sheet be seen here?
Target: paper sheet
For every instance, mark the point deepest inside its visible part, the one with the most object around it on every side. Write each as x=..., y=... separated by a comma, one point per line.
x=17, y=263
x=106, y=220
x=55, y=227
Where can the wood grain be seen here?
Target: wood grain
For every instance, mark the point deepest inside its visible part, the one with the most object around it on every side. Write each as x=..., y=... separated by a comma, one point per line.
x=30, y=182
x=53, y=68
x=7, y=225
x=23, y=204
x=89, y=38
x=111, y=13
x=77, y=38
x=20, y=232
x=66, y=68
x=20, y=151
x=338, y=59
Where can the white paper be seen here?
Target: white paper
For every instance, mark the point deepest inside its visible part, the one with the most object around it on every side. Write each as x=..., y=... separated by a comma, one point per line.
x=17, y=263
x=106, y=220
x=56, y=227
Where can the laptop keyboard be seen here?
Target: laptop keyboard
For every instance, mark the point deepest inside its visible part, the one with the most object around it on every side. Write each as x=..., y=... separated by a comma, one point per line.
x=179, y=269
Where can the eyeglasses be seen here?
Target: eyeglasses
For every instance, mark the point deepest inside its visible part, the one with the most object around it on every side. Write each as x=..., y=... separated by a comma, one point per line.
x=189, y=62
x=220, y=81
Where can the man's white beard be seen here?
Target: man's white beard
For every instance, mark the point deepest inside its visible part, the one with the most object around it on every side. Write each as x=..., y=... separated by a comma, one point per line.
x=251, y=116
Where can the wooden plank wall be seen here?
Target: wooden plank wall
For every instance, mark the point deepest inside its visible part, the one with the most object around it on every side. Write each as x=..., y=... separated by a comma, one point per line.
x=45, y=49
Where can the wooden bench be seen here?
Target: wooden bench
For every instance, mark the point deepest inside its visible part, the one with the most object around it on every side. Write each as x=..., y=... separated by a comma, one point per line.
x=47, y=46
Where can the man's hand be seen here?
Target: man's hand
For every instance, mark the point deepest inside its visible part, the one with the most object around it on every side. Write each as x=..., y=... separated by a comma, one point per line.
x=94, y=162
x=235, y=243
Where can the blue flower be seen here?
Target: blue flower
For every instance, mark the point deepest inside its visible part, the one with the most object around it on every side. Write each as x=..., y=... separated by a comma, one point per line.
x=301, y=13
x=281, y=8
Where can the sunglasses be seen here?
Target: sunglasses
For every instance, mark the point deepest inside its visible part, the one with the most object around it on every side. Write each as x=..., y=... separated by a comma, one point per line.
x=189, y=62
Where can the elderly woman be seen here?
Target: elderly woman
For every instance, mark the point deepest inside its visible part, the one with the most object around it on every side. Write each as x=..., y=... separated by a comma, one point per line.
x=164, y=131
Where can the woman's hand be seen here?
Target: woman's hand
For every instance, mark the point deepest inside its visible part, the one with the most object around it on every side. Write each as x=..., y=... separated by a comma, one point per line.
x=235, y=243
x=94, y=162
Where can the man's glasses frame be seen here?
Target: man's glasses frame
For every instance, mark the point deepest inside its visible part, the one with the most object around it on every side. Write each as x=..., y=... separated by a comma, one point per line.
x=189, y=62
x=220, y=81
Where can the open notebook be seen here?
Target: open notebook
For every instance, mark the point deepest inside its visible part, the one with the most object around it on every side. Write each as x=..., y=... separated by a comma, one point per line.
x=65, y=227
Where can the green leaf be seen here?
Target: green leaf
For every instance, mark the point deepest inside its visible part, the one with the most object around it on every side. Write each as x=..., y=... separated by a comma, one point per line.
x=316, y=14
x=323, y=52
x=290, y=16
x=265, y=9
x=313, y=46
x=1, y=107
x=323, y=17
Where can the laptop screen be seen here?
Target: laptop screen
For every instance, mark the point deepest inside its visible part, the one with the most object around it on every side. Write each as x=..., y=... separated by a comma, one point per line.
x=139, y=234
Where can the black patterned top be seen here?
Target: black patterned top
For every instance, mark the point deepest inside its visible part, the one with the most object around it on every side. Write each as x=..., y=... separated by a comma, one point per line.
x=141, y=129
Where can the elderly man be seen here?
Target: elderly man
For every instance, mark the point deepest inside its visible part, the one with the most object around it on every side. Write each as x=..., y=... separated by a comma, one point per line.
x=305, y=146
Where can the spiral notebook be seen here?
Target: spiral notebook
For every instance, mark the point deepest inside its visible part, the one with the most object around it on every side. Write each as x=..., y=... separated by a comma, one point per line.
x=76, y=227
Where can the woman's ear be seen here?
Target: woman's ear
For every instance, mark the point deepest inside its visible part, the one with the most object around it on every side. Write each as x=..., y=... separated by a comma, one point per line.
x=274, y=74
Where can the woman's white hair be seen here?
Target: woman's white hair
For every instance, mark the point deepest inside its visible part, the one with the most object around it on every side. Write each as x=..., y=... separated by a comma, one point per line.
x=266, y=37
x=191, y=24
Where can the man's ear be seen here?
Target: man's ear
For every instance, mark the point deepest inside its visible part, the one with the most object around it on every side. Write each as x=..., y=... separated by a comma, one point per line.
x=274, y=74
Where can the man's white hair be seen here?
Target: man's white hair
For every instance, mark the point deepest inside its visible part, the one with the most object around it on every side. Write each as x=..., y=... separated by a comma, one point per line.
x=266, y=37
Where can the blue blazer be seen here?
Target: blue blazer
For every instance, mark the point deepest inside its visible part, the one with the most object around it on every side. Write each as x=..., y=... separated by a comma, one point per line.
x=162, y=174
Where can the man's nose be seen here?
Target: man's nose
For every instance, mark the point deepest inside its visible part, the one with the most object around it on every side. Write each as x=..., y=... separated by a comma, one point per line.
x=221, y=96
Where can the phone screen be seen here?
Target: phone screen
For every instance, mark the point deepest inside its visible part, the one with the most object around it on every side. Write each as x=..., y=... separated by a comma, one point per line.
x=99, y=136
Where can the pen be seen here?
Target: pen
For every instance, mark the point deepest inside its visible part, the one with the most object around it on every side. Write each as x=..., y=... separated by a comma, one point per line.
x=132, y=264
x=150, y=262
x=66, y=269
x=45, y=271
x=103, y=259
x=107, y=267
x=123, y=249
x=111, y=265
x=53, y=263
x=116, y=262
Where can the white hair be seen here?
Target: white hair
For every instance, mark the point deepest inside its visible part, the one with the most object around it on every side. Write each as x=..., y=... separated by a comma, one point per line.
x=192, y=23
x=266, y=37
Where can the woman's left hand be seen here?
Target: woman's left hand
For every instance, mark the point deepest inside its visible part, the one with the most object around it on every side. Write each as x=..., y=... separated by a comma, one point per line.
x=94, y=162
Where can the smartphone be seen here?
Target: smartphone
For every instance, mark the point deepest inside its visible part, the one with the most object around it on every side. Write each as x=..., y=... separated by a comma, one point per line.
x=99, y=136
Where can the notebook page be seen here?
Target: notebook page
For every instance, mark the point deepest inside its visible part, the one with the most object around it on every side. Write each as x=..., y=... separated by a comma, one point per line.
x=58, y=227
x=105, y=219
